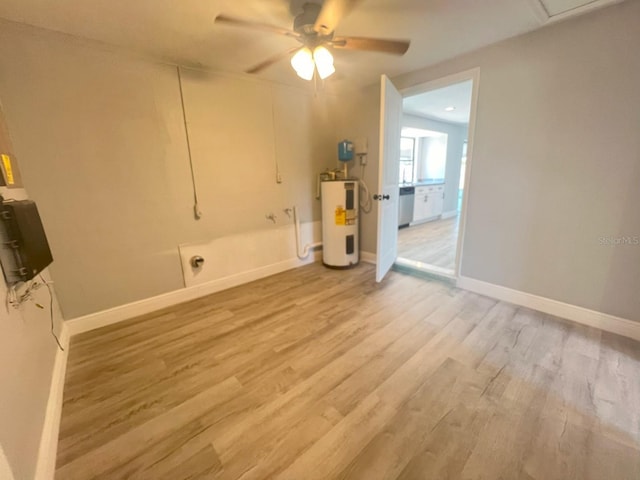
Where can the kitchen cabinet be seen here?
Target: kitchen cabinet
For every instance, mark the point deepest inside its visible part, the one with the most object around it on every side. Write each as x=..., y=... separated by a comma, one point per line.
x=428, y=203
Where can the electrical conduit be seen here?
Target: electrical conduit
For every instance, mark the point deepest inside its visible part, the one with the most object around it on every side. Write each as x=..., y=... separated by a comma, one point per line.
x=308, y=247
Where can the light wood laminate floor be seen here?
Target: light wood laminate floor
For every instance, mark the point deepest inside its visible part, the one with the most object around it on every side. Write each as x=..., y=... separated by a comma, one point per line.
x=323, y=374
x=433, y=243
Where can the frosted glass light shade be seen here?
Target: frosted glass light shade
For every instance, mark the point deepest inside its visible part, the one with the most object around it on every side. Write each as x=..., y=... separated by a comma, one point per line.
x=302, y=63
x=324, y=62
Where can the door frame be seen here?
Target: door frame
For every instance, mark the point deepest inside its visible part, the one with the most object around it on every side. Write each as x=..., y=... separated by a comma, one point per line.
x=473, y=75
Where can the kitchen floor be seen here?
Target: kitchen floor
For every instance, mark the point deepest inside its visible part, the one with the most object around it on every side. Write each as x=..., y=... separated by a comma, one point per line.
x=433, y=243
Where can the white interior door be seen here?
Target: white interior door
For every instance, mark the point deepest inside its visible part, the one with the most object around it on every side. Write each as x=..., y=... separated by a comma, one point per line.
x=388, y=191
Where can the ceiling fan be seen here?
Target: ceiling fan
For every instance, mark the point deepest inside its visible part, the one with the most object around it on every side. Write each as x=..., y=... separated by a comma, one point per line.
x=314, y=28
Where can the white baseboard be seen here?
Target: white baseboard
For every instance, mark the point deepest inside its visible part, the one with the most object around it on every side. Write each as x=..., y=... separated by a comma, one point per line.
x=600, y=320
x=451, y=214
x=46, y=466
x=368, y=257
x=425, y=220
x=148, y=305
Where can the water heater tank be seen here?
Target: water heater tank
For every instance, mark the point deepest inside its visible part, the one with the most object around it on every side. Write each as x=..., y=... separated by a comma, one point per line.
x=340, y=245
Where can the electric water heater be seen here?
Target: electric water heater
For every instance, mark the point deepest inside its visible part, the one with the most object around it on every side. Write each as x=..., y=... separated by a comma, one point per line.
x=340, y=246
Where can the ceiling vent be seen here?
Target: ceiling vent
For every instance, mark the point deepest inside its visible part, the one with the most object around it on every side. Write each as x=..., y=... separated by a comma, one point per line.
x=561, y=9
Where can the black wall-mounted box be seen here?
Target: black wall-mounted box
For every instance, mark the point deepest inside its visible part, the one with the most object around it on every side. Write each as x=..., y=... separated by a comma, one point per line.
x=25, y=251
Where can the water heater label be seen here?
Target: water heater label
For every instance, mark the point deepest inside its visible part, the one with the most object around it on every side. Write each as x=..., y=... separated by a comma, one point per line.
x=350, y=217
x=6, y=162
x=341, y=215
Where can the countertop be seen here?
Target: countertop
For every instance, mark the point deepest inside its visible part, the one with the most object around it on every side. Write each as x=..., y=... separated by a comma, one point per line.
x=423, y=183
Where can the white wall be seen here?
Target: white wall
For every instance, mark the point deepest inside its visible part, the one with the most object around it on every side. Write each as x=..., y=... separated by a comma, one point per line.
x=556, y=161
x=27, y=354
x=457, y=134
x=101, y=138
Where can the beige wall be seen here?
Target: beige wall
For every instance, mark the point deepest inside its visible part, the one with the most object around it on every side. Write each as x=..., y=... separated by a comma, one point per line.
x=556, y=163
x=101, y=140
x=357, y=115
x=104, y=153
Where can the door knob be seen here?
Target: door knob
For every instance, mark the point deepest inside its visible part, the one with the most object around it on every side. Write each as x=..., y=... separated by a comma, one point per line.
x=381, y=197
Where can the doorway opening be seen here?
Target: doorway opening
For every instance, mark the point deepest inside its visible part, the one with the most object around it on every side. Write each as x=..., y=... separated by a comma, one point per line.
x=438, y=120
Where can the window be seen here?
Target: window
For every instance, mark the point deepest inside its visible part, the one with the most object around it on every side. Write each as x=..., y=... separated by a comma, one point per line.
x=407, y=159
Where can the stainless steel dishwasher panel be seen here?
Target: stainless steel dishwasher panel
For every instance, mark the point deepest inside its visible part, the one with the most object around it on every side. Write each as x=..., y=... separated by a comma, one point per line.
x=405, y=206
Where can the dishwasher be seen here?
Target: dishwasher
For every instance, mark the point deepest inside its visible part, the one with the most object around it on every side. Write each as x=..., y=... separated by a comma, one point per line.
x=405, y=206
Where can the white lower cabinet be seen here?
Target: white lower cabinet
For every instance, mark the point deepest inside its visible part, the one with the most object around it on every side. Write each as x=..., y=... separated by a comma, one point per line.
x=436, y=202
x=428, y=203
x=421, y=206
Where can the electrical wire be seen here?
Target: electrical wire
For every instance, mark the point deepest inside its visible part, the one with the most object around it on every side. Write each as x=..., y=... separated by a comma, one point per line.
x=196, y=208
x=16, y=300
x=10, y=299
x=365, y=196
x=51, y=310
x=275, y=143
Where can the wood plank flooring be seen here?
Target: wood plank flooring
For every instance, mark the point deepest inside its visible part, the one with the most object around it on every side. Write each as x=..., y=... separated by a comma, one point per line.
x=433, y=243
x=323, y=374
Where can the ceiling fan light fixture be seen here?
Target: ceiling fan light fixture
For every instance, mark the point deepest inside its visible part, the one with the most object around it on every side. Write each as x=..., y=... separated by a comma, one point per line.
x=302, y=63
x=324, y=62
x=314, y=26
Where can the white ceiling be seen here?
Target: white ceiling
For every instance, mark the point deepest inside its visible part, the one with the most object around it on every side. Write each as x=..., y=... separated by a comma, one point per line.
x=432, y=104
x=183, y=32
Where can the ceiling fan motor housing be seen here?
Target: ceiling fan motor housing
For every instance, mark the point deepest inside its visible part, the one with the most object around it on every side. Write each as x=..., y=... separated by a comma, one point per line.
x=305, y=21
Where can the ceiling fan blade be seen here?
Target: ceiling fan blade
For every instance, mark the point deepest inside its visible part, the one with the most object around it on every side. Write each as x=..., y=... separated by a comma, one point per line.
x=331, y=14
x=270, y=61
x=396, y=47
x=236, y=22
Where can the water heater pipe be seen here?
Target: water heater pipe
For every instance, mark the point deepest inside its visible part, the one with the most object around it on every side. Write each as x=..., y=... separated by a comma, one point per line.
x=308, y=247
